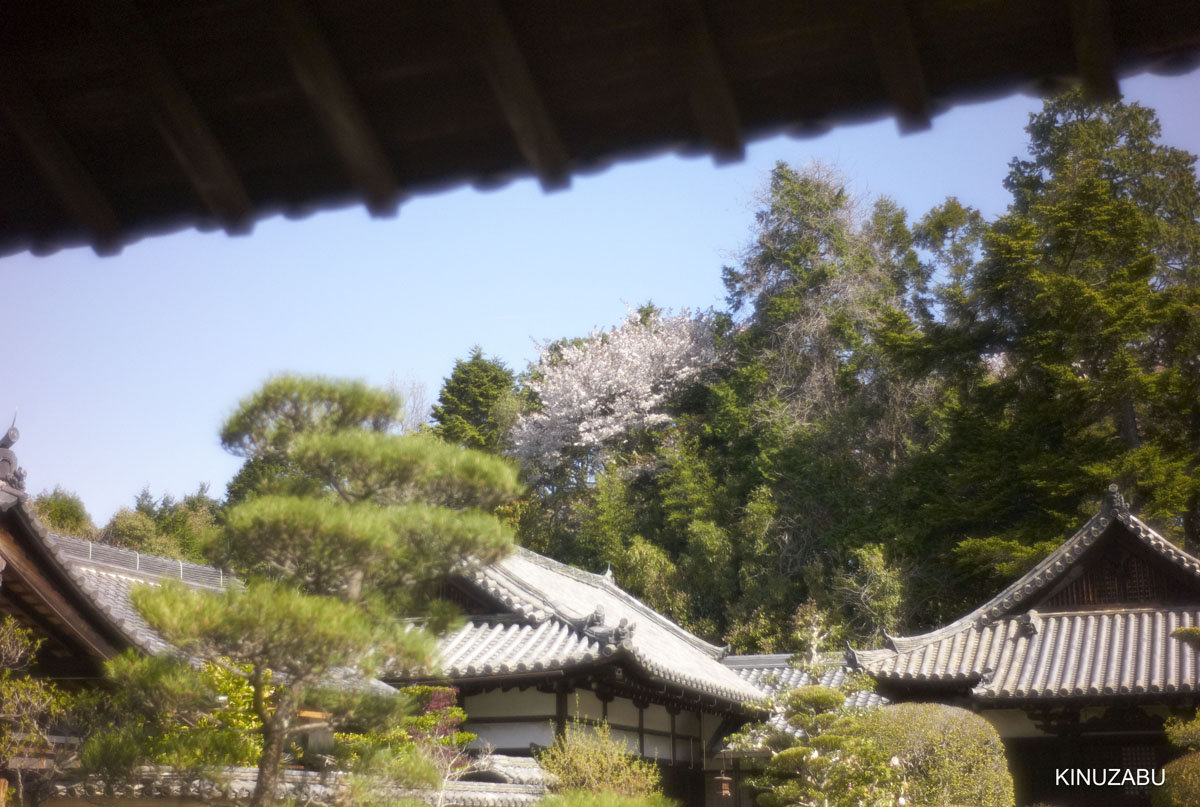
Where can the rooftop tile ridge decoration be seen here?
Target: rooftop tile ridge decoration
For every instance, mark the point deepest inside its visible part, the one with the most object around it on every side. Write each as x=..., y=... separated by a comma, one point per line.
x=611, y=637
x=758, y=660
x=12, y=475
x=71, y=551
x=1044, y=573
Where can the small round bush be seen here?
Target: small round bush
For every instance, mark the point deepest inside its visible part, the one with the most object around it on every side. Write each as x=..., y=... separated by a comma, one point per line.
x=949, y=755
x=1182, y=785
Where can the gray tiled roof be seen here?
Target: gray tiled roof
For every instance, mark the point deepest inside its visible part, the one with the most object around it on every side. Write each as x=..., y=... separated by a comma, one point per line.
x=603, y=619
x=512, y=770
x=107, y=574
x=491, y=647
x=775, y=673
x=1005, y=650
x=1053, y=567
x=236, y=784
x=1059, y=655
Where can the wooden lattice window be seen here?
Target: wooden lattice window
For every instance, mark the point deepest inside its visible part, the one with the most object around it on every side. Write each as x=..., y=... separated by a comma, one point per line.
x=1134, y=757
x=1117, y=578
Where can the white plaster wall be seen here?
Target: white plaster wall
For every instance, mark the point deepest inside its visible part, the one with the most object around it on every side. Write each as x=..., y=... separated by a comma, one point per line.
x=511, y=735
x=622, y=712
x=584, y=703
x=658, y=748
x=514, y=702
x=1011, y=723
x=658, y=718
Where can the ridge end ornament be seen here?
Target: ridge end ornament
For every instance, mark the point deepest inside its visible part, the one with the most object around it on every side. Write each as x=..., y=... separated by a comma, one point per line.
x=11, y=473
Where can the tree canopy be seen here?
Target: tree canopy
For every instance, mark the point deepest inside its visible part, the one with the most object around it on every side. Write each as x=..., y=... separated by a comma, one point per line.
x=355, y=534
x=896, y=413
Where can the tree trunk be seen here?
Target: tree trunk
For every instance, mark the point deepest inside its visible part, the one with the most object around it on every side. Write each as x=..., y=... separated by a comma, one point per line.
x=1128, y=425
x=274, y=737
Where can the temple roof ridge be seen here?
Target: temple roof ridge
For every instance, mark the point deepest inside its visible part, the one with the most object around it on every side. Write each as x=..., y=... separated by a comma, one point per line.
x=1046, y=572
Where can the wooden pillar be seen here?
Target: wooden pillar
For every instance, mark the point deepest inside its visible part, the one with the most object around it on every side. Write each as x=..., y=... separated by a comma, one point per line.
x=3, y=791
x=641, y=707
x=672, y=712
x=560, y=712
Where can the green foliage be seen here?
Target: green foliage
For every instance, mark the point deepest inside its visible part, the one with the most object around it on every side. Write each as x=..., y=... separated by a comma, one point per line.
x=589, y=759
x=908, y=413
x=288, y=406
x=603, y=798
x=358, y=524
x=165, y=527
x=1181, y=787
x=948, y=755
x=167, y=712
x=63, y=512
x=434, y=723
x=832, y=763
x=471, y=410
x=32, y=712
x=276, y=630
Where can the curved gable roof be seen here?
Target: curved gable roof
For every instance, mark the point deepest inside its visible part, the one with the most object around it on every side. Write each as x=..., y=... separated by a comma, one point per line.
x=602, y=620
x=1006, y=649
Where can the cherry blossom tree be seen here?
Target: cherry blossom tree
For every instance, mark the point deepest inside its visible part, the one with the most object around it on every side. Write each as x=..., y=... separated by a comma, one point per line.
x=597, y=392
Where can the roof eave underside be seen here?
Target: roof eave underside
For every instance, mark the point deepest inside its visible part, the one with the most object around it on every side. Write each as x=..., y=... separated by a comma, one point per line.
x=131, y=118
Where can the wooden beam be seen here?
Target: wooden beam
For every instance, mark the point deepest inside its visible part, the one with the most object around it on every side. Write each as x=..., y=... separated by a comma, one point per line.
x=196, y=149
x=70, y=181
x=899, y=62
x=693, y=51
x=44, y=593
x=1095, y=49
x=490, y=37
x=337, y=107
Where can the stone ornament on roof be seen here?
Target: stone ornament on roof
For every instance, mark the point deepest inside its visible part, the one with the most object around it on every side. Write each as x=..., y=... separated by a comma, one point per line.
x=11, y=473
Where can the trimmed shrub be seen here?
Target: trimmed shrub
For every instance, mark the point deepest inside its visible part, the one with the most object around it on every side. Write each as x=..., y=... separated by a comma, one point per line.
x=1182, y=785
x=948, y=755
x=588, y=758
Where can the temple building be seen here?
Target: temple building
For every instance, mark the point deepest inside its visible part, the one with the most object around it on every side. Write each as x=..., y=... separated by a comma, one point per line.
x=1074, y=664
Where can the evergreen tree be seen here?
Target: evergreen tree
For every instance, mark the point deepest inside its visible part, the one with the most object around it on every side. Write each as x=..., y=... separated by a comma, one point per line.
x=64, y=512
x=470, y=408
x=1071, y=347
x=368, y=522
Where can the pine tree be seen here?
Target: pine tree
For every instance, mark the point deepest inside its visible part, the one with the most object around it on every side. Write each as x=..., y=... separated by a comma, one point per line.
x=332, y=553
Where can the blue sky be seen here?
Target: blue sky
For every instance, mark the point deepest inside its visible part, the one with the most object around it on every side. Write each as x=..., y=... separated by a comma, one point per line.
x=123, y=368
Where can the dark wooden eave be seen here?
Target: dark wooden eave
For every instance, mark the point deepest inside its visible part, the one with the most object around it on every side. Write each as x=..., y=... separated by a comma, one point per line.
x=122, y=118
x=37, y=590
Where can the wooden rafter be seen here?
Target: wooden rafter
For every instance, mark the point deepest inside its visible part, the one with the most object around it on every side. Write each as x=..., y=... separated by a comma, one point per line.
x=489, y=35
x=1095, y=49
x=44, y=596
x=338, y=110
x=75, y=188
x=899, y=62
x=694, y=53
x=193, y=143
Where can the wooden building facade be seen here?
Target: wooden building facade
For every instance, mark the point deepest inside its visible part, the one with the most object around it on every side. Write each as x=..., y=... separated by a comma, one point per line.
x=1075, y=663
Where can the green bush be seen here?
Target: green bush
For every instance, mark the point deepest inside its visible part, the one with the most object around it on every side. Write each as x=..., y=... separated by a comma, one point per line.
x=585, y=798
x=948, y=755
x=588, y=758
x=1182, y=785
